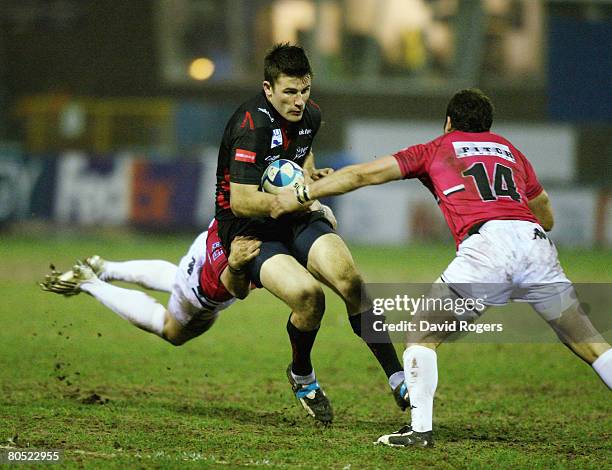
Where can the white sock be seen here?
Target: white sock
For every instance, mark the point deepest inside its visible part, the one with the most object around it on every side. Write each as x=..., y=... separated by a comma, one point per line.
x=396, y=379
x=421, y=369
x=603, y=367
x=151, y=274
x=132, y=305
x=304, y=379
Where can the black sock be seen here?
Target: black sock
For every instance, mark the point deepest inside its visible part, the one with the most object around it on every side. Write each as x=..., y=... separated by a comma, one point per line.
x=301, y=344
x=383, y=348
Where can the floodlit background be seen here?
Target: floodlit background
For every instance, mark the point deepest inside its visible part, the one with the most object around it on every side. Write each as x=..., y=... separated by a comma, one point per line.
x=111, y=112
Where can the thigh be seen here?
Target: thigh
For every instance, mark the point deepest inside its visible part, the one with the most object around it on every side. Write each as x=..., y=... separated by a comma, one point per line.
x=541, y=280
x=440, y=314
x=267, y=251
x=306, y=233
x=288, y=280
x=481, y=269
x=331, y=262
x=178, y=333
x=330, y=258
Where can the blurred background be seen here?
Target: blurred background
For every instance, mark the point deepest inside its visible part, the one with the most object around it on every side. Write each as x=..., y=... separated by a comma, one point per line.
x=111, y=112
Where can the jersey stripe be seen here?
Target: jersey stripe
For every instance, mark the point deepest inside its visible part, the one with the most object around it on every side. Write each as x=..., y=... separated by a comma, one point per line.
x=454, y=189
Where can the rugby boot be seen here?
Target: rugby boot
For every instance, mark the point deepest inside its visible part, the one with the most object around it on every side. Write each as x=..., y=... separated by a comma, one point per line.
x=400, y=393
x=312, y=397
x=406, y=437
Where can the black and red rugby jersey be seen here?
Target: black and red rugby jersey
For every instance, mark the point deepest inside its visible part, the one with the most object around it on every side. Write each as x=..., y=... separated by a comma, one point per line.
x=255, y=136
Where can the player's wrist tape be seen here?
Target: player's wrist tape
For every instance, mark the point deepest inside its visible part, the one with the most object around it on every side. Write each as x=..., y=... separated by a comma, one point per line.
x=235, y=271
x=301, y=194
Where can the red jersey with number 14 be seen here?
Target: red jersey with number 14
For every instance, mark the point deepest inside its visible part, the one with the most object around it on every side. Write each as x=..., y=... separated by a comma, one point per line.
x=474, y=176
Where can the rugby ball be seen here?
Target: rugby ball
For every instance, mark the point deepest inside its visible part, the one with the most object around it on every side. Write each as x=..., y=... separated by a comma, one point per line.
x=280, y=174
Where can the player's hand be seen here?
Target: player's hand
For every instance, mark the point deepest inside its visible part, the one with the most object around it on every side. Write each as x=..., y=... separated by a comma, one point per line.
x=329, y=215
x=321, y=173
x=243, y=250
x=286, y=202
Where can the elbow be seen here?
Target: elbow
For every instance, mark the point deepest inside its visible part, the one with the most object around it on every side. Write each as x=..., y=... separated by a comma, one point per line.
x=241, y=294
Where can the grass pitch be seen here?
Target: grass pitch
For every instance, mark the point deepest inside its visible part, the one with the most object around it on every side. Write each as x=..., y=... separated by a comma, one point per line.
x=74, y=376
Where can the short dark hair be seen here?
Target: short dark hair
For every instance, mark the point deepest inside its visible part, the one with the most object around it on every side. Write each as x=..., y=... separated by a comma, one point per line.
x=287, y=59
x=470, y=110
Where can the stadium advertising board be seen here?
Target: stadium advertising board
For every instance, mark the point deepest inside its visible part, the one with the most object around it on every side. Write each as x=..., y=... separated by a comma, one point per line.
x=22, y=188
x=125, y=189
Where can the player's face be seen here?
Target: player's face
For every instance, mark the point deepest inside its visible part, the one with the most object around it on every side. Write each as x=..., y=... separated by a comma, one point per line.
x=289, y=95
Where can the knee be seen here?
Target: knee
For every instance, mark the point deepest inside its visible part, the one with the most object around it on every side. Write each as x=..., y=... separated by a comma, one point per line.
x=175, y=341
x=311, y=300
x=349, y=284
x=174, y=336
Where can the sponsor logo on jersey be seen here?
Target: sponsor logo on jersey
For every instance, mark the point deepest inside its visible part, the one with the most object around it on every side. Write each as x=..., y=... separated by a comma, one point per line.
x=216, y=254
x=242, y=155
x=267, y=113
x=272, y=158
x=485, y=149
x=305, y=131
x=215, y=246
x=300, y=152
x=277, y=138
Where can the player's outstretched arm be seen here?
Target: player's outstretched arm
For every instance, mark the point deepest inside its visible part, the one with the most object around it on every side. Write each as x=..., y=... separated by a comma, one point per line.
x=234, y=277
x=542, y=209
x=349, y=178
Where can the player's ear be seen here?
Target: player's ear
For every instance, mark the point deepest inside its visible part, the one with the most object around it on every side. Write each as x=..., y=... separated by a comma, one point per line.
x=267, y=87
x=448, y=125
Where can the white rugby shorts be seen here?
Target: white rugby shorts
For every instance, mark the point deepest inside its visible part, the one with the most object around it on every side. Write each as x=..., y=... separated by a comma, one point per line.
x=511, y=260
x=186, y=302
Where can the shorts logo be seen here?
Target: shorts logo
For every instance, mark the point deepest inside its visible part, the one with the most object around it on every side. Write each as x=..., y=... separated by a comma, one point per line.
x=277, y=138
x=537, y=233
x=242, y=155
x=271, y=158
x=486, y=149
x=305, y=131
